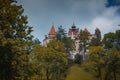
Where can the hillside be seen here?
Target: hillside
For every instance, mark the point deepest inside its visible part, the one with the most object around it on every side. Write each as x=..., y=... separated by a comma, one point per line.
x=77, y=73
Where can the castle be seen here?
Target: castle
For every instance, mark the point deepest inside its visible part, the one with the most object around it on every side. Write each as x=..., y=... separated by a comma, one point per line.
x=73, y=33
x=50, y=36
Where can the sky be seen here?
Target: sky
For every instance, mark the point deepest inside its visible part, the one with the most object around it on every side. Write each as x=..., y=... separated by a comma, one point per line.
x=90, y=14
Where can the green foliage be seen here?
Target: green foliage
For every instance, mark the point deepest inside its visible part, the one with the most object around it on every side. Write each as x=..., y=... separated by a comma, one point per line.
x=76, y=72
x=95, y=42
x=69, y=45
x=83, y=37
x=57, y=45
x=60, y=34
x=112, y=64
x=111, y=40
x=14, y=40
x=50, y=62
x=98, y=37
x=108, y=40
x=117, y=40
x=63, y=39
x=95, y=61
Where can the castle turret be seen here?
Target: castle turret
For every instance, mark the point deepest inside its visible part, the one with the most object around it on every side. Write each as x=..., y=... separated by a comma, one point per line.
x=73, y=32
x=51, y=36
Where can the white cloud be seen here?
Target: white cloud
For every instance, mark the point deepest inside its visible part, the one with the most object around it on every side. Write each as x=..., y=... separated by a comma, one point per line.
x=107, y=21
x=103, y=23
x=110, y=12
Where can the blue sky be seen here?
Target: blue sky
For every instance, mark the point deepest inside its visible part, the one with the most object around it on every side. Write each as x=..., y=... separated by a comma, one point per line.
x=103, y=14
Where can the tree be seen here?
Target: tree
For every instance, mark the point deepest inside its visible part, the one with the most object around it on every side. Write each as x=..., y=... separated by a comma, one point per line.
x=98, y=36
x=61, y=36
x=112, y=64
x=108, y=40
x=117, y=39
x=83, y=37
x=56, y=45
x=97, y=40
x=69, y=45
x=94, y=42
x=95, y=61
x=14, y=40
x=111, y=40
x=51, y=63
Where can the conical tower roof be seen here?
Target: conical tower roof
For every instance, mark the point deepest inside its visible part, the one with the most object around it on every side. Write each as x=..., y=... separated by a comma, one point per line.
x=52, y=31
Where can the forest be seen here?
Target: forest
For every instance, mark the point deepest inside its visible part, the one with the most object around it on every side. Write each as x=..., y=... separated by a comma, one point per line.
x=22, y=58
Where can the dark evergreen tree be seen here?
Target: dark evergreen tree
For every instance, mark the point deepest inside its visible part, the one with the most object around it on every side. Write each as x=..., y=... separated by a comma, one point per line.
x=98, y=34
x=97, y=40
x=60, y=34
x=36, y=41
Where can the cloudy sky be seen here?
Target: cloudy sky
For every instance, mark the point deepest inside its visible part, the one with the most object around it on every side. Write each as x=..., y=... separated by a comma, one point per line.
x=42, y=14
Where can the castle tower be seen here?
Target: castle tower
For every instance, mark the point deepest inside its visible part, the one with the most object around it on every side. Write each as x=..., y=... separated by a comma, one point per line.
x=73, y=32
x=51, y=36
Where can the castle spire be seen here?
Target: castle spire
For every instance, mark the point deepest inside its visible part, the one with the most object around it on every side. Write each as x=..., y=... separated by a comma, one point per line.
x=52, y=31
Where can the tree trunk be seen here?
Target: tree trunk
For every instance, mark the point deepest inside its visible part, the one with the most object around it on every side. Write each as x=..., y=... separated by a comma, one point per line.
x=100, y=74
x=47, y=74
x=84, y=50
x=40, y=75
x=99, y=77
x=114, y=74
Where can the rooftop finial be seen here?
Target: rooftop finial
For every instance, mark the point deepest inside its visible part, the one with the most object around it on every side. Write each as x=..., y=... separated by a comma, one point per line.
x=52, y=23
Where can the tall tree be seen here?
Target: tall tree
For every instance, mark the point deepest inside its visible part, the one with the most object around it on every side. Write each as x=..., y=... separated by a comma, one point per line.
x=98, y=36
x=108, y=40
x=95, y=61
x=14, y=39
x=61, y=36
x=84, y=38
x=112, y=64
x=69, y=44
x=97, y=40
